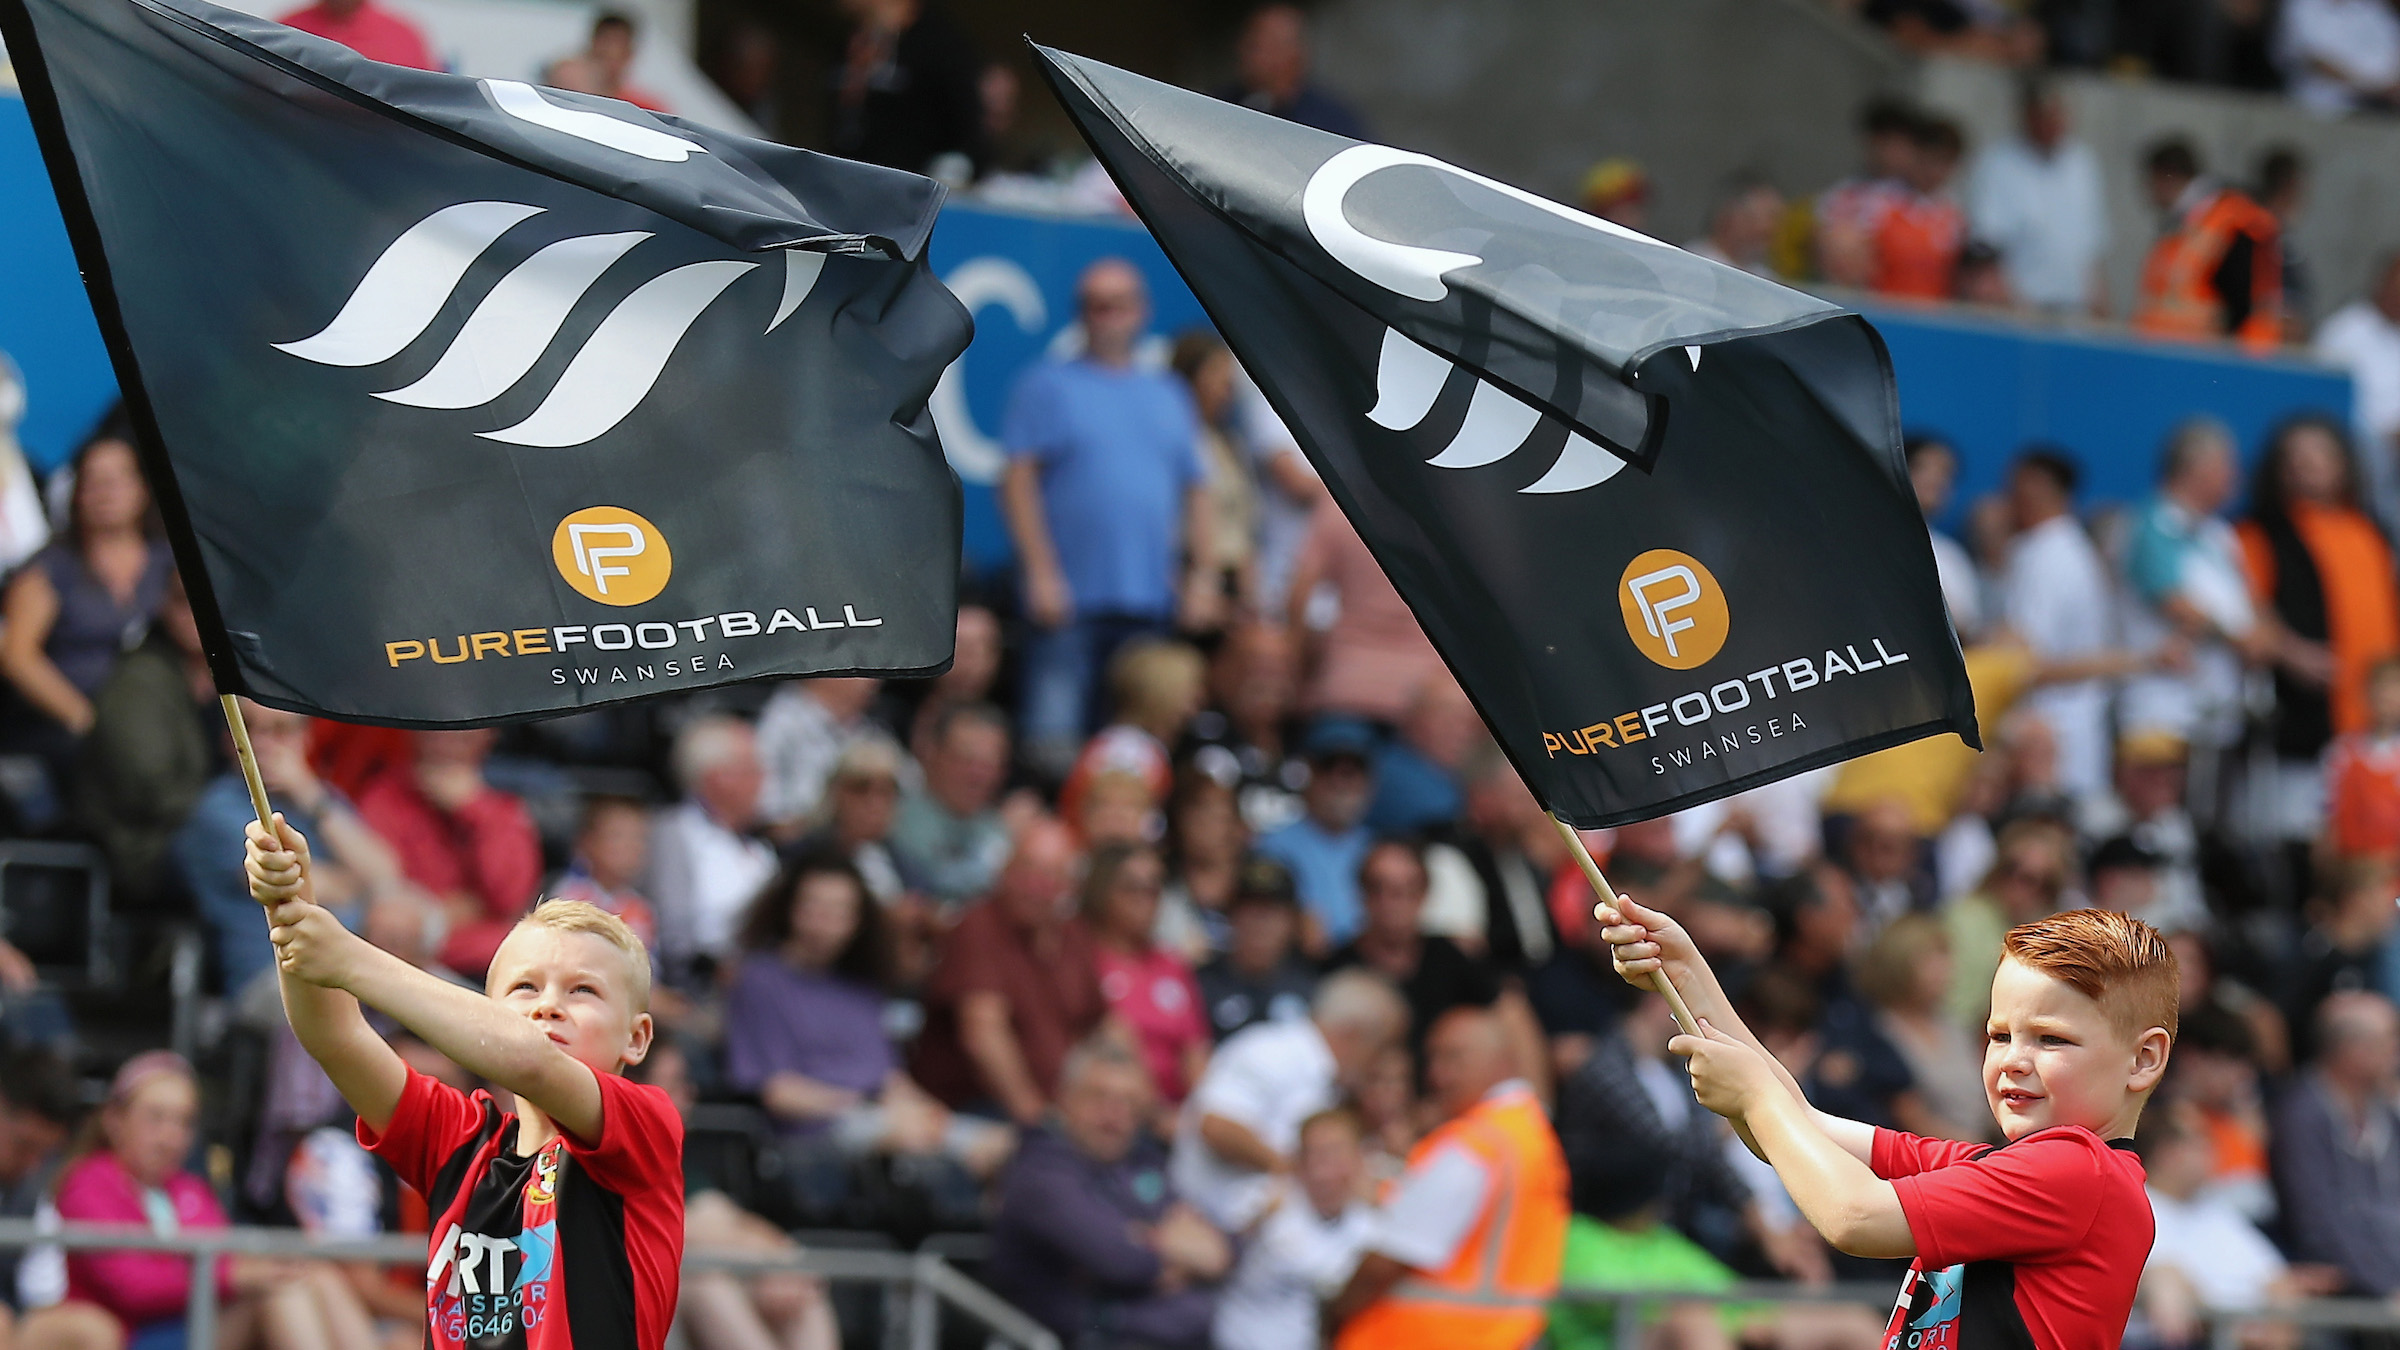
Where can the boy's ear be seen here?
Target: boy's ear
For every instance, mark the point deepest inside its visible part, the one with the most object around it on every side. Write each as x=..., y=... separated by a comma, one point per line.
x=637, y=1046
x=2150, y=1051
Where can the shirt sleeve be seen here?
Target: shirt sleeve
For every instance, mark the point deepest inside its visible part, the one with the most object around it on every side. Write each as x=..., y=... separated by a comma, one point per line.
x=1898, y=1154
x=433, y=1121
x=2028, y=1201
x=1434, y=1208
x=1030, y=430
x=641, y=1139
x=2155, y=563
x=1239, y=1085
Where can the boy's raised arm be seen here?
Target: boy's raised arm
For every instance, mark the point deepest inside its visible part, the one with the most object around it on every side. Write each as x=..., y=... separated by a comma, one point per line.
x=336, y=970
x=1643, y=940
x=328, y=1023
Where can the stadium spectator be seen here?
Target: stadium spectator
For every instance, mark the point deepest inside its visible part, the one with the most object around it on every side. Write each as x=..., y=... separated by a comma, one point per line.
x=2183, y=566
x=352, y=856
x=2056, y=596
x=1104, y=490
x=1306, y=1247
x=948, y=839
x=1741, y=226
x=1240, y=1125
x=1577, y=995
x=40, y=1106
x=2363, y=337
x=2352, y=941
x=2215, y=1071
x=1207, y=844
x=1887, y=864
x=2362, y=774
x=605, y=63
x=1260, y=977
x=1014, y=988
x=720, y=1310
x=1288, y=493
x=2321, y=575
x=1207, y=368
x=1273, y=60
x=1369, y=658
x=1919, y=232
x=705, y=863
x=1417, y=785
x=1513, y=848
x=2037, y=197
x=1933, y=473
x=2282, y=188
x=2340, y=56
x=1241, y=738
x=24, y=525
x=2031, y=876
x=370, y=29
x=1432, y=974
x=975, y=659
x=1905, y=975
x=2333, y=1139
x=2148, y=806
x=2207, y=1256
x=1480, y=1219
x=1155, y=688
x=72, y=609
x=151, y=751
x=1617, y=190
x=905, y=94
x=1090, y=1237
x=2217, y=268
x=804, y=1034
x=135, y=1176
x=1325, y=846
x=612, y=848
x=1844, y=216
x=861, y=807
x=802, y=732
x=1809, y=991
x=1148, y=987
x=459, y=837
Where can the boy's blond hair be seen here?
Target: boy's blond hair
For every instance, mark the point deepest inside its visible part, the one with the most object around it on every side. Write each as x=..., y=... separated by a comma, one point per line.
x=2114, y=959
x=582, y=916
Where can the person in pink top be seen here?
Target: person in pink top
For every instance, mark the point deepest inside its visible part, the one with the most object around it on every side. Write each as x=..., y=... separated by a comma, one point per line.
x=135, y=1176
x=1372, y=658
x=367, y=28
x=460, y=838
x=1149, y=988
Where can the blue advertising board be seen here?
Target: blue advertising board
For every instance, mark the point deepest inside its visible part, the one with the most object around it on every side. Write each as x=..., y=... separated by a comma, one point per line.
x=1989, y=386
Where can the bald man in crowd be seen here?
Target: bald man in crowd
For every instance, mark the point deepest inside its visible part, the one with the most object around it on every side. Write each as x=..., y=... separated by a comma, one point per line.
x=1103, y=493
x=2334, y=1138
x=1467, y=1250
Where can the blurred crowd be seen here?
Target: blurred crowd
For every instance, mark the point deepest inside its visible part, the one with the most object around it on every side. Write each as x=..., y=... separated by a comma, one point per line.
x=1138, y=941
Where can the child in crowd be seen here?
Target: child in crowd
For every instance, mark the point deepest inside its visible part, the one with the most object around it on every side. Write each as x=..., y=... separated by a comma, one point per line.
x=560, y=1221
x=2362, y=774
x=135, y=1175
x=1156, y=687
x=1305, y=1247
x=2040, y=1241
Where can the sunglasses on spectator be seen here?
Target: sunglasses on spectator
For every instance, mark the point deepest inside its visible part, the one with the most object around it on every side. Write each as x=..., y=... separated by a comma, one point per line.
x=2048, y=881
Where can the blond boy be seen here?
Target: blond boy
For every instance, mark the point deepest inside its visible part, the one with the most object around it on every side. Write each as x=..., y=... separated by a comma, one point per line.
x=2038, y=1242
x=557, y=1225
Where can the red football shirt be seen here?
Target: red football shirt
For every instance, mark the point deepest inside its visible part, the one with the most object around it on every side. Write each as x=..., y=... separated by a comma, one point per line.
x=571, y=1248
x=2038, y=1242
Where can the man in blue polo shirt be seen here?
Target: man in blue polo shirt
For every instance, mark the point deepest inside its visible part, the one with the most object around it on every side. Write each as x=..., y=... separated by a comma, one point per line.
x=1103, y=497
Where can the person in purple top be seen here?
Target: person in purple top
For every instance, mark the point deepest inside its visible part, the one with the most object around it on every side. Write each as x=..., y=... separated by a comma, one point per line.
x=804, y=1034
x=1090, y=1239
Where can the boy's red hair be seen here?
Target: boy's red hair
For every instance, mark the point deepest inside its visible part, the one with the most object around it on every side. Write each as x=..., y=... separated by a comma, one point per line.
x=2113, y=959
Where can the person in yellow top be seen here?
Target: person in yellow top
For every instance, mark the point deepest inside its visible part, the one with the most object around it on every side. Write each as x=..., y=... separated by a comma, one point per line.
x=1467, y=1248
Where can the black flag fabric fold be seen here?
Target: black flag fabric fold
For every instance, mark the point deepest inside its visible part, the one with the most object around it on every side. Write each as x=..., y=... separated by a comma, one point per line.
x=1652, y=511
x=467, y=401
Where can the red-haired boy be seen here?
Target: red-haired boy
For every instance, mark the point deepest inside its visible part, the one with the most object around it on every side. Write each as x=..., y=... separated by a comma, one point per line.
x=2037, y=1242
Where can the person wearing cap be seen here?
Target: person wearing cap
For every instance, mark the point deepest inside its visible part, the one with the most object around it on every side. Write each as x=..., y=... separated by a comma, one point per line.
x=1617, y=190
x=1260, y=976
x=1325, y=846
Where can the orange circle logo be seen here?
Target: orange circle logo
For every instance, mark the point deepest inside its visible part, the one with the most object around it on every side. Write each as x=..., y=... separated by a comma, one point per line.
x=1674, y=609
x=611, y=555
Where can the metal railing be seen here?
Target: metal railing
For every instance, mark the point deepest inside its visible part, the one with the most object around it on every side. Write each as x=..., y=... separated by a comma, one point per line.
x=919, y=1287
x=1632, y=1307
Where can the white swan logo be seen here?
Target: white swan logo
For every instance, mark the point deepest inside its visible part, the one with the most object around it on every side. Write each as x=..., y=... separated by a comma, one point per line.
x=1408, y=376
x=526, y=104
x=518, y=320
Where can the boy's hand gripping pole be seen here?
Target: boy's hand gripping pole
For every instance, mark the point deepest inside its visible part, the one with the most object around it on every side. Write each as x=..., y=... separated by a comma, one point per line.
x=1600, y=886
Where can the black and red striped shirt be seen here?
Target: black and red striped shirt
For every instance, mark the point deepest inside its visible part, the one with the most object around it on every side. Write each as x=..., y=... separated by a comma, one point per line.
x=571, y=1247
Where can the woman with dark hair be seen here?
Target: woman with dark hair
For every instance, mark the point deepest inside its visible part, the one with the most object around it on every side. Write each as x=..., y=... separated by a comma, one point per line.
x=804, y=1031
x=1148, y=987
x=87, y=596
x=2322, y=575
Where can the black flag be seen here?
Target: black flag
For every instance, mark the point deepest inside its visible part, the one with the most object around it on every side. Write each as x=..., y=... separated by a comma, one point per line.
x=1652, y=511
x=466, y=400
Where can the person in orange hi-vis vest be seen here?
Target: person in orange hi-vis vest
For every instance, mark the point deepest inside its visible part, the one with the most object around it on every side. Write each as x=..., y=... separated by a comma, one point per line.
x=1467, y=1249
x=2218, y=270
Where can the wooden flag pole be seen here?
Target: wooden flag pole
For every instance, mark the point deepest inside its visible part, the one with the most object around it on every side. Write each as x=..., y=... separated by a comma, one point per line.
x=1600, y=887
x=248, y=759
